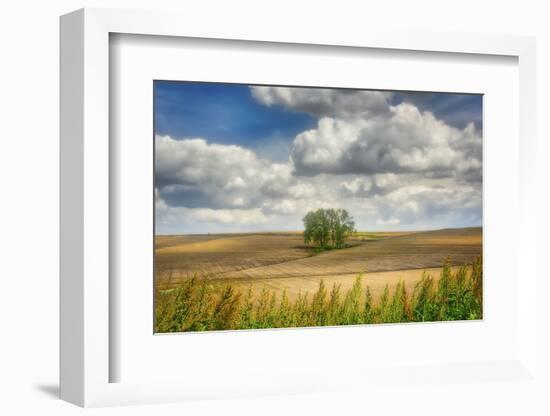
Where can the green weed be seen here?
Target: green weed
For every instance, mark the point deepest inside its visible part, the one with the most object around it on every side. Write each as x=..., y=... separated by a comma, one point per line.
x=198, y=306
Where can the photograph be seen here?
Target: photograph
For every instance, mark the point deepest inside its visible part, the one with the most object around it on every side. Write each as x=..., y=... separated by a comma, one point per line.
x=298, y=206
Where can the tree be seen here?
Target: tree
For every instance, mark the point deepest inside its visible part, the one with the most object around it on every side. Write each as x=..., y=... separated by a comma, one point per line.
x=341, y=225
x=328, y=228
x=316, y=228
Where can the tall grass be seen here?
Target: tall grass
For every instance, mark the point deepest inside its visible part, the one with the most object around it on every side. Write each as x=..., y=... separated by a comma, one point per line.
x=198, y=306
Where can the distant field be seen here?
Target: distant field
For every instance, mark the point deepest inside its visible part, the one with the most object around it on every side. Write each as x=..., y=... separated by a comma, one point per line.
x=282, y=260
x=179, y=257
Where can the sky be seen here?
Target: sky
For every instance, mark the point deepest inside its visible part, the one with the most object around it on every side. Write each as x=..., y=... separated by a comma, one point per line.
x=240, y=158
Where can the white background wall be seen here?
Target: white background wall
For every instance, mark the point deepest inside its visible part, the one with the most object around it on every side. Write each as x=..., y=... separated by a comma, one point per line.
x=29, y=56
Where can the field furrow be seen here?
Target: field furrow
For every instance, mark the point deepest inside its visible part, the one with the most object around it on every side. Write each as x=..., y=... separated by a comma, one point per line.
x=273, y=257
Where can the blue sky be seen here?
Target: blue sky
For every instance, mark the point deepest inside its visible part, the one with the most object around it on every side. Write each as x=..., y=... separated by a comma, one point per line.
x=456, y=109
x=233, y=157
x=225, y=113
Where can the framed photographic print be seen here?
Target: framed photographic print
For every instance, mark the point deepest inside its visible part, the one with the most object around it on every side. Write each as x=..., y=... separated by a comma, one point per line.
x=285, y=206
x=281, y=213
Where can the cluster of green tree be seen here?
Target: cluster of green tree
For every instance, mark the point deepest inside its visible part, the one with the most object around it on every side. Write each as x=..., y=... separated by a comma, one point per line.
x=328, y=227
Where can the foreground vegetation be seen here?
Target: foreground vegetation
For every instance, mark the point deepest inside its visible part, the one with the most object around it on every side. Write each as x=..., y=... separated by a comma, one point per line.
x=198, y=306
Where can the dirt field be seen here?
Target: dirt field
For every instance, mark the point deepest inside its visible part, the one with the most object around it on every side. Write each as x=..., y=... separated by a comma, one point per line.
x=282, y=261
x=376, y=281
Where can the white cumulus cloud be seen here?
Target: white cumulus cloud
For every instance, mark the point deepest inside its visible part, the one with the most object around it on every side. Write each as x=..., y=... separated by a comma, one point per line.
x=391, y=166
x=323, y=102
x=404, y=141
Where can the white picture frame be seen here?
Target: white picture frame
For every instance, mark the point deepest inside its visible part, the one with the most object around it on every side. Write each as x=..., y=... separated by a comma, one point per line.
x=86, y=356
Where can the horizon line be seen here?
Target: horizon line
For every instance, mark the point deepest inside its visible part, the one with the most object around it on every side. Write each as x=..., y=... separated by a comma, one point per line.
x=300, y=231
